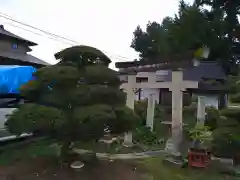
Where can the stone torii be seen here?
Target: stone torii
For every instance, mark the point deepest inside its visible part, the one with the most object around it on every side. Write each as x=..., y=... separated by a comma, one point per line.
x=177, y=86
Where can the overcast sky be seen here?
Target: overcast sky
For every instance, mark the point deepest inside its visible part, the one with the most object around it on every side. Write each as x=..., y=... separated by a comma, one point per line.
x=105, y=24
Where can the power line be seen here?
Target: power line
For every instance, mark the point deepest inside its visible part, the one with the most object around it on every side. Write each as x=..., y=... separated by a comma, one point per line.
x=10, y=24
x=5, y=16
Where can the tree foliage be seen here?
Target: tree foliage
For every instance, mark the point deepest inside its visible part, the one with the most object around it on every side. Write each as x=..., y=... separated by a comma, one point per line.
x=234, y=88
x=75, y=100
x=227, y=134
x=225, y=123
x=82, y=56
x=176, y=35
x=193, y=27
x=224, y=17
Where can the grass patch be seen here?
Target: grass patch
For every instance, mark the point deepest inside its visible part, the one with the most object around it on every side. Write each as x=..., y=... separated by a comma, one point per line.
x=155, y=170
x=158, y=171
x=10, y=154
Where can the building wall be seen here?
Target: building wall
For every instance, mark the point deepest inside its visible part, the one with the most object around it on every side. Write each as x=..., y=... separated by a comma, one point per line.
x=7, y=46
x=211, y=100
x=146, y=92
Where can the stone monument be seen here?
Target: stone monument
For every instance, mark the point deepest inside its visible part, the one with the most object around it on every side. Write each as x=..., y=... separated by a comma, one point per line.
x=150, y=112
x=201, y=113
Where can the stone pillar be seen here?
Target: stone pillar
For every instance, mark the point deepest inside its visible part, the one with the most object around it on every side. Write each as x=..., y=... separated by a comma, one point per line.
x=177, y=105
x=151, y=101
x=128, y=139
x=130, y=98
x=130, y=103
x=201, y=110
x=130, y=91
x=150, y=111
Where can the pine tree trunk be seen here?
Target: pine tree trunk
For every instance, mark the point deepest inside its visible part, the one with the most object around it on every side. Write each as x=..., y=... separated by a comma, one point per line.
x=65, y=151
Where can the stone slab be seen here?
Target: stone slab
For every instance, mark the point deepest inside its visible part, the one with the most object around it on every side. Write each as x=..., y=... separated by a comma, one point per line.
x=173, y=162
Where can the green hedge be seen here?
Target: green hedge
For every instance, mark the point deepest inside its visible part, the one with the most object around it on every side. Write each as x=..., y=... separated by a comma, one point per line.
x=212, y=117
x=226, y=141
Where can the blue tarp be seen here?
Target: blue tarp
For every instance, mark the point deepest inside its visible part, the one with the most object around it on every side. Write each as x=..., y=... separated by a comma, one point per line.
x=13, y=77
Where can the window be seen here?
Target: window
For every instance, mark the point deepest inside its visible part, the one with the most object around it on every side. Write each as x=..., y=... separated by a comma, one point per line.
x=14, y=46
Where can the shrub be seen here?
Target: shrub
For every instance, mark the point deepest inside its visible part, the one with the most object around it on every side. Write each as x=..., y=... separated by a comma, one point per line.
x=212, y=118
x=144, y=135
x=33, y=118
x=235, y=98
x=159, y=113
x=125, y=121
x=227, y=134
x=74, y=102
x=190, y=110
x=224, y=144
x=140, y=109
x=202, y=134
x=231, y=113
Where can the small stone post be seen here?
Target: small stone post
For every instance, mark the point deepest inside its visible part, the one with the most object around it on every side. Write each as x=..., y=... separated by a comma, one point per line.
x=150, y=111
x=151, y=102
x=201, y=110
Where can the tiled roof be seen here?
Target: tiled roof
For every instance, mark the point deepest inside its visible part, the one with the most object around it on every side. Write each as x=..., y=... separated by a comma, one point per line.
x=6, y=33
x=208, y=70
x=23, y=57
x=179, y=58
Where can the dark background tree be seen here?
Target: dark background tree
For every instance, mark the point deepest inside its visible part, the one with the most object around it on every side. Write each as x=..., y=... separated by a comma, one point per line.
x=187, y=31
x=224, y=17
x=73, y=100
x=193, y=27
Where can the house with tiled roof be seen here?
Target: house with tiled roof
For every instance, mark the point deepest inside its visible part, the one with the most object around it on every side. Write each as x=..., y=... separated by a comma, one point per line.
x=14, y=50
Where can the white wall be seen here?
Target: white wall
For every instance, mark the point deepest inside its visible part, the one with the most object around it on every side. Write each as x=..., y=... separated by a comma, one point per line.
x=211, y=100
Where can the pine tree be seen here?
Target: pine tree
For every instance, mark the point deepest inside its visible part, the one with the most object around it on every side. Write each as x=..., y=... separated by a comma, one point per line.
x=73, y=100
